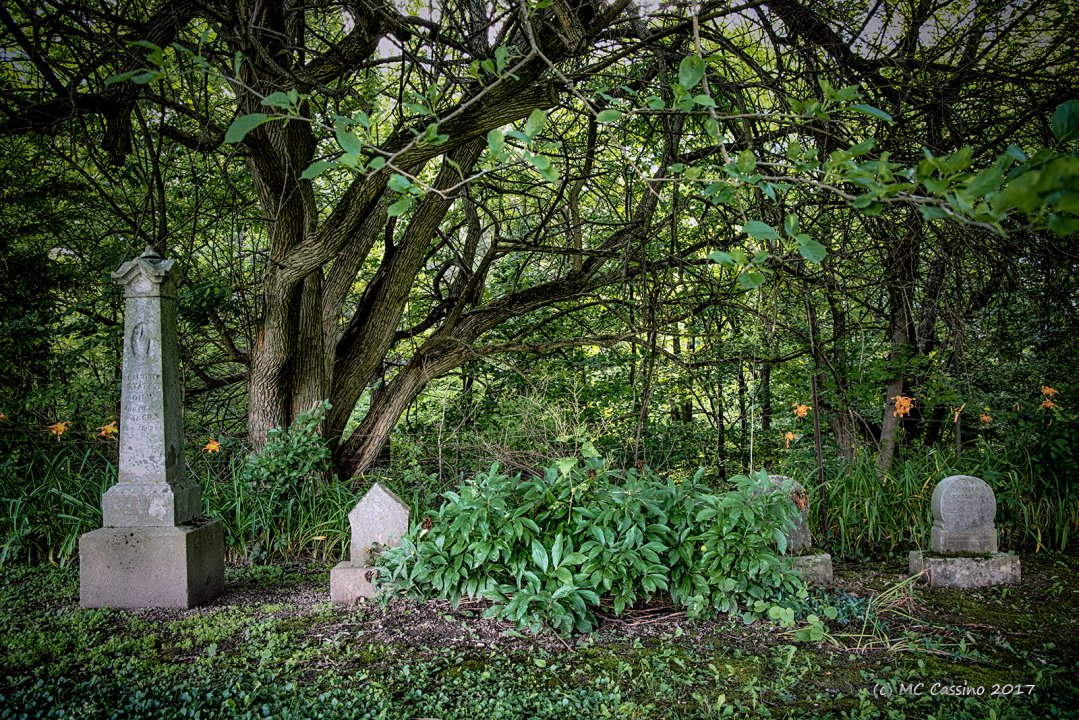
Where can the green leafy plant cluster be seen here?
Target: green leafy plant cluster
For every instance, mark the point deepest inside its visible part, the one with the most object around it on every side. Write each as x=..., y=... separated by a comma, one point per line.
x=551, y=549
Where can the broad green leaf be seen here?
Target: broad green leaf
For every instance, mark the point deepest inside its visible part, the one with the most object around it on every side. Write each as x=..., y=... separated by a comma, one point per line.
x=1063, y=226
x=608, y=116
x=566, y=464
x=690, y=71
x=790, y=225
x=496, y=140
x=810, y=249
x=277, y=99
x=399, y=183
x=534, y=125
x=704, y=101
x=317, y=168
x=539, y=555
x=747, y=162
x=874, y=112
x=722, y=258
x=377, y=163
x=760, y=231
x=244, y=124
x=1066, y=121
x=400, y=207
x=347, y=139
x=751, y=279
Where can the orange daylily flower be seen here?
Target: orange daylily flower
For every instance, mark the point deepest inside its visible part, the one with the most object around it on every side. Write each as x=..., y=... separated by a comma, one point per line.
x=59, y=428
x=986, y=418
x=212, y=446
x=903, y=404
x=788, y=437
x=802, y=410
x=1048, y=404
x=1048, y=391
x=107, y=430
x=3, y=417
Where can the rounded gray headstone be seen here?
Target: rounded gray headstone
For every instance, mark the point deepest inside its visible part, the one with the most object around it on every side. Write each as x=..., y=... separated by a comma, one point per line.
x=964, y=508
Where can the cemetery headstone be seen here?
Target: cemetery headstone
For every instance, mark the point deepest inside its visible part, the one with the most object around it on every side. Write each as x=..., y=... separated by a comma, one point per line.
x=963, y=540
x=964, y=508
x=378, y=521
x=814, y=567
x=155, y=549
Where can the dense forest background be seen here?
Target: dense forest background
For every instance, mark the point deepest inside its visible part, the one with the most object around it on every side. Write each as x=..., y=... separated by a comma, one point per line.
x=826, y=239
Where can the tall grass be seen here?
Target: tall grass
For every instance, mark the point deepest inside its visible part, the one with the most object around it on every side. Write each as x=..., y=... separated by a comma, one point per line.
x=51, y=495
x=873, y=512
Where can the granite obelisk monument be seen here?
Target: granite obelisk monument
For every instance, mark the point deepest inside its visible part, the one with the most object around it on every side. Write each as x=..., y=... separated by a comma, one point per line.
x=155, y=549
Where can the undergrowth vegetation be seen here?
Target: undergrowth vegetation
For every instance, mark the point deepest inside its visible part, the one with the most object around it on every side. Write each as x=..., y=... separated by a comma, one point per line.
x=545, y=549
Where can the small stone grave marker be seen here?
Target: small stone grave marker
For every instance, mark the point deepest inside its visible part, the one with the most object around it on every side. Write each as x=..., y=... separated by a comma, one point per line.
x=379, y=520
x=964, y=538
x=815, y=568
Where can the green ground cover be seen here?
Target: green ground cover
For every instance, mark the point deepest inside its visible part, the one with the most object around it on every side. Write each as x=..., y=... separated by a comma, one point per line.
x=272, y=646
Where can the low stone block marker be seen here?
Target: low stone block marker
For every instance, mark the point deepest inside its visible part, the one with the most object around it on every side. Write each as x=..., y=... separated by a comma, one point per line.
x=815, y=567
x=963, y=541
x=155, y=549
x=378, y=521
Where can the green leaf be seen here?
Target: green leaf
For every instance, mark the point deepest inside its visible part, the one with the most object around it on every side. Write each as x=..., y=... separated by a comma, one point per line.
x=790, y=225
x=722, y=258
x=704, y=101
x=1066, y=121
x=760, y=231
x=751, y=279
x=810, y=249
x=874, y=112
x=539, y=555
x=608, y=116
x=690, y=71
x=244, y=124
x=747, y=162
x=1063, y=226
x=278, y=100
x=317, y=168
x=399, y=183
x=400, y=207
x=536, y=120
x=496, y=140
x=348, y=140
x=377, y=163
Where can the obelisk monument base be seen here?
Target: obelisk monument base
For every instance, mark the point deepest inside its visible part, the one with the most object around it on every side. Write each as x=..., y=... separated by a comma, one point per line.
x=161, y=567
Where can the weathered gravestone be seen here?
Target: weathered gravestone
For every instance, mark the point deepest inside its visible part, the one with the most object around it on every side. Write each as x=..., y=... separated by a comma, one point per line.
x=378, y=521
x=155, y=549
x=963, y=540
x=814, y=567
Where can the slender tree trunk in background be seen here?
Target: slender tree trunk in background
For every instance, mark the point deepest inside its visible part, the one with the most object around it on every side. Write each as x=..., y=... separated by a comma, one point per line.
x=721, y=431
x=900, y=275
x=815, y=381
x=839, y=417
x=766, y=397
x=743, y=414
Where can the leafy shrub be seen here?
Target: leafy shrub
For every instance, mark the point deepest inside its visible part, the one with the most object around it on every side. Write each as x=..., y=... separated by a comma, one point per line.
x=281, y=502
x=545, y=549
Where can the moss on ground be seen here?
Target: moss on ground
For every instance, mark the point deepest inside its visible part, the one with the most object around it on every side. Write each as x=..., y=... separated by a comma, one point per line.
x=272, y=646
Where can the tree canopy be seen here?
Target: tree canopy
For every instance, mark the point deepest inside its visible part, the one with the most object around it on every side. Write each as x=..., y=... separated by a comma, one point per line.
x=719, y=196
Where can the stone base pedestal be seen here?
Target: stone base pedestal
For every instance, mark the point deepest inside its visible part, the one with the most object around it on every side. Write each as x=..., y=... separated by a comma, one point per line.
x=144, y=567
x=815, y=569
x=967, y=572
x=349, y=583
